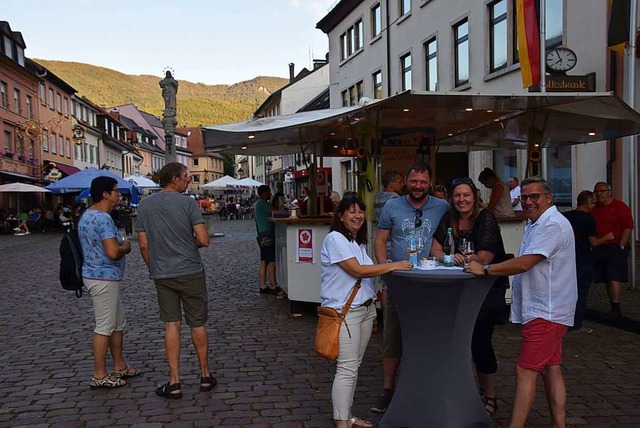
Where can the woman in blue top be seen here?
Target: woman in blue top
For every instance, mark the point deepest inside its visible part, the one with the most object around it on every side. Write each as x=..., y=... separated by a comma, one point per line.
x=344, y=261
x=104, y=249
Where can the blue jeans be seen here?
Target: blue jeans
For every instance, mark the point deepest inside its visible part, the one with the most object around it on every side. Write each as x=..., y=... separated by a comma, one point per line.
x=585, y=276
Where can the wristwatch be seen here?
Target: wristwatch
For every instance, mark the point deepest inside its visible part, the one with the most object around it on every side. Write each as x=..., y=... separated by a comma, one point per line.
x=485, y=268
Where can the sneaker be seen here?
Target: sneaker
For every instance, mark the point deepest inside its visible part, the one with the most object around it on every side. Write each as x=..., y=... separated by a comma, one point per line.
x=382, y=403
x=582, y=330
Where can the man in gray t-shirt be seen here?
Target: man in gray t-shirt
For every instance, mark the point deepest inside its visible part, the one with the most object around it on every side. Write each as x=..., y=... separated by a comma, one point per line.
x=415, y=214
x=170, y=231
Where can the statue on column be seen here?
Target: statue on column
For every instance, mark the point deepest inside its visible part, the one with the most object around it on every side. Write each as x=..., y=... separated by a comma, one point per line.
x=169, y=87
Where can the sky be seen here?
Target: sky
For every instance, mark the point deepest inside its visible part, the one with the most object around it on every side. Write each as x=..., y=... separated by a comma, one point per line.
x=207, y=41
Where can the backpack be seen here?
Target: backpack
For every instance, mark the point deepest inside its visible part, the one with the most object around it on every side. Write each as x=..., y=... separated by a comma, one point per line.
x=71, y=260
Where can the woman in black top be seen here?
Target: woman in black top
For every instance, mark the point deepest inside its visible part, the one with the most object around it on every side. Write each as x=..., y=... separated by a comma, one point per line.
x=468, y=220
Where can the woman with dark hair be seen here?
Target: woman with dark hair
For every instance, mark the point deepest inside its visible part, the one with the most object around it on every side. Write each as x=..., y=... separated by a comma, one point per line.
x=500, y=199
x=468, y=220
x=102, y=271
x=344, y=261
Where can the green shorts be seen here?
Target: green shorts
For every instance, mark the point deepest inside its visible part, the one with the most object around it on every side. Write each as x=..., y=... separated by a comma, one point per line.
x=188, y=292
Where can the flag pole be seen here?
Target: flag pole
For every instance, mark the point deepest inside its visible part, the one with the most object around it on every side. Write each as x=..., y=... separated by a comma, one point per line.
x=633, y=167
x=543, y=46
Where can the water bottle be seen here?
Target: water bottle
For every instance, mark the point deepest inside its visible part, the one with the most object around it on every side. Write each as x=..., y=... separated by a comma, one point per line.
x=412, y=249
x=449, y=249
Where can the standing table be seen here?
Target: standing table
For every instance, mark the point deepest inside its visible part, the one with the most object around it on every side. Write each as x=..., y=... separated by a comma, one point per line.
x=437, y=310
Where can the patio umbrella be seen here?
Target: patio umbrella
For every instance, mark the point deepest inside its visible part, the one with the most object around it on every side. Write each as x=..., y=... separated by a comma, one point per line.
x=141, y=182
x=225, y=182
x=22, y=188
x=249, y=182
x=82, y=180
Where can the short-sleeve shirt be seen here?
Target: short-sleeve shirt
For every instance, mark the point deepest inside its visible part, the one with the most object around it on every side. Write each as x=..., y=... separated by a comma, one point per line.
x=94, y=227
x=336, y=283
x=549, y=289
x=583, y=226
x=380, y=200
x=613, y=217
x=515, y=193
x=168, y=219
x=399, y=218
x=261, y=212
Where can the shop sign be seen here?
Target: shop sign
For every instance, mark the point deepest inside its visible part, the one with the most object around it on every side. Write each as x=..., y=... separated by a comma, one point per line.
x=53, y=175
x=305, y=246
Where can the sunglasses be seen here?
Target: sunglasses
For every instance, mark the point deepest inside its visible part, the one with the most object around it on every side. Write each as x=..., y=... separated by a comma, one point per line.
x=417, y=221
x=463, y=180
x=534, y=197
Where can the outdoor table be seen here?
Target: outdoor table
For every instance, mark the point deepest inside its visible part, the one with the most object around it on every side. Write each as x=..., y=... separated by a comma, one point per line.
x=437, y=310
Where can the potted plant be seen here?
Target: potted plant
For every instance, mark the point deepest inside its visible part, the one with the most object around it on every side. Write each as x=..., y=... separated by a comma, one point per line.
x=9, y=154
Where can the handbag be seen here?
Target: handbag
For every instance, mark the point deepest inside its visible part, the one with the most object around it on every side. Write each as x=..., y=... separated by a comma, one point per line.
x=266, y=239
x=329, y=323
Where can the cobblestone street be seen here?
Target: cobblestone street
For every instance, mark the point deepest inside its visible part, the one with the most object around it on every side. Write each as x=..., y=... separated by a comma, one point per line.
x=268, y=373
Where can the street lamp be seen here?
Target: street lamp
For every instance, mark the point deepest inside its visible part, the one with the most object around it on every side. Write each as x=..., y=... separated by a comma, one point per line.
x=267, y=167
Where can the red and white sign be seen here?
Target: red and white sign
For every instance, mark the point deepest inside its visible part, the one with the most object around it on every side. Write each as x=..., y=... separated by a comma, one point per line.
x=304, y=246
x=321, y=182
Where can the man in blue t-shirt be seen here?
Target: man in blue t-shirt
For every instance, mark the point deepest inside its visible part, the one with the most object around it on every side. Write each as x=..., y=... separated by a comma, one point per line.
x=414, y=214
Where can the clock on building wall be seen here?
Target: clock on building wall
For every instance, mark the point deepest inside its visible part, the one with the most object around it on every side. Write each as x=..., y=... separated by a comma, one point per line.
x=78, y=134
x=560, y=60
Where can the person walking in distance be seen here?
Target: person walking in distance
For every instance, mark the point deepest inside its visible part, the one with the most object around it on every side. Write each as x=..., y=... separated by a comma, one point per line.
x=584, y=232
x=103, y=251
x=417, y=214
x=611, y=259
x=544, y=299
x=170, y=230
x=514, y=193
x=265, y=229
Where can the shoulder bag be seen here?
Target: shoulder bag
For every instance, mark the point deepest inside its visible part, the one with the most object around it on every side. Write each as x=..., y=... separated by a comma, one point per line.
x=329, y=323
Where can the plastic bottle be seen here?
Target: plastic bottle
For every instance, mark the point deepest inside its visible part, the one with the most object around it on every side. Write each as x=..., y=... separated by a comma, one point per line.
x=449, y=249
x=412, y=249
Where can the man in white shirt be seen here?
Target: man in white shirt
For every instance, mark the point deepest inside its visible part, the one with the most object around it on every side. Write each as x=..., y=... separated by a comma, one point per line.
x=544, y=299
x=514, y=193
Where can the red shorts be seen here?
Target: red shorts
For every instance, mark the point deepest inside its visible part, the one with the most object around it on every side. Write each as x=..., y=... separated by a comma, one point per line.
x=541, y=344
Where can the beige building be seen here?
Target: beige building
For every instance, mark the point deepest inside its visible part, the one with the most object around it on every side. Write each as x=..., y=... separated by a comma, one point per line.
x=203, y=167
x=460, y=45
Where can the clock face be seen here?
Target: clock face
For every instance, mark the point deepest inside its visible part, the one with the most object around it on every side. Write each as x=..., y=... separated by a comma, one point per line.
x=78, y=132
x=561, y=60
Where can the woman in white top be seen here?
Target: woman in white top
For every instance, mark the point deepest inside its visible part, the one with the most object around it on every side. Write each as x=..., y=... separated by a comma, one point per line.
x=500, y=199
x=344, y=261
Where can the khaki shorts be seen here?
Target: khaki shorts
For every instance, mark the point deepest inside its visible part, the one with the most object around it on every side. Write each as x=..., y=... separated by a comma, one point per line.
x=188, y=292
x=107, y=306
x=391, y=335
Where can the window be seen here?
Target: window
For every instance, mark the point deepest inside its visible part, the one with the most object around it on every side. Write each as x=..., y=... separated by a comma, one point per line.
x=43, y=94
x=431, y=54
x=352, y=40
x=498, y=43
x=17, y=107
x=196, y=178
x=58, y=102
x=45, y=140
x=3, y=94
x=405, y=7
x=76, y=151
x=360, y=90
x=60, y=145
x=195, y=161
x=345, y=98
x=505, y=163
x=29, y=107
x=92, y=154
x=352, y=96
x=51, y=98
x=377, y=85
x=553, y=23
x=559, y=174
x=405, y=67
x=461, y=43
x=7, y=141
x=53, y=143
x=8, y=47
x=65, y=106
x=376, y=21
x=20, y=58
x=67, y=148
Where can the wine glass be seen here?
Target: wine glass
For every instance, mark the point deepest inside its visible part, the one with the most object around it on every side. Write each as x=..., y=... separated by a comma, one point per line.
x=419, y=243
x=466, y=248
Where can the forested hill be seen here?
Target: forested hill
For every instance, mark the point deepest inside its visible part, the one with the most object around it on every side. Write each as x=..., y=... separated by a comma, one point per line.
x=198, y=104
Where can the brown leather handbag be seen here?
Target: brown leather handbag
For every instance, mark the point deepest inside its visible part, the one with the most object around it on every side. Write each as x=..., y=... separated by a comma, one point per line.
x=329, y=323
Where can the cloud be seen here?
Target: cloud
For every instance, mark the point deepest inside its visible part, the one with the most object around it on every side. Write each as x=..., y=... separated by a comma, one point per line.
x=319, y=8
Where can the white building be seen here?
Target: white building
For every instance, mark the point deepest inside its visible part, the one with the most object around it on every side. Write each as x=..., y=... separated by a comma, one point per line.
x=87, y=137
x=461, y=45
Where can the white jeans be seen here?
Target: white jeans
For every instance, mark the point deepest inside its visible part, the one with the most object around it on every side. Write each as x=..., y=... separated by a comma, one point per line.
x=360, y=324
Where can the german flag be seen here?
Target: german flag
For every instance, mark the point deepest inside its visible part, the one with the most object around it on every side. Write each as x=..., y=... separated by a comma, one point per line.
x=528, y=42
x=618, y=36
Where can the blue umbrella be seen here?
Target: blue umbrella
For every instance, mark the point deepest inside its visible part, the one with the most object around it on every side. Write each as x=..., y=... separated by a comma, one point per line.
x=81, y=181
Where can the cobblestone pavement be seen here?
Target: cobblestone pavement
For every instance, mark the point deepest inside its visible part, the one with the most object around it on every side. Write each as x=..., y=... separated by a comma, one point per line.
x=268, y=373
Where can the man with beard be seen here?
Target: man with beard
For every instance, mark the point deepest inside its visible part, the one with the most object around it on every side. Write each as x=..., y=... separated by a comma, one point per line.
x=414, y=214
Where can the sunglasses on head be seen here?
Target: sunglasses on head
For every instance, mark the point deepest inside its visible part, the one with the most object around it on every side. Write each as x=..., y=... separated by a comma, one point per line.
x=462, y=180
x=417, y=221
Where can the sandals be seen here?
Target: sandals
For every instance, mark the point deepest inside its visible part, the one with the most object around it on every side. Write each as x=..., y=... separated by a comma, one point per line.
x=207, y=383
x=107, y=381
x=169, y=391
x=356, y=422
x=127, y=372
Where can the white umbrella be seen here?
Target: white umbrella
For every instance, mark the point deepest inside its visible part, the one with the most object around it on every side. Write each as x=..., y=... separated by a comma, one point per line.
x=23, y=188
x=250, y=182
x=225, y=182
x=141, y=181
